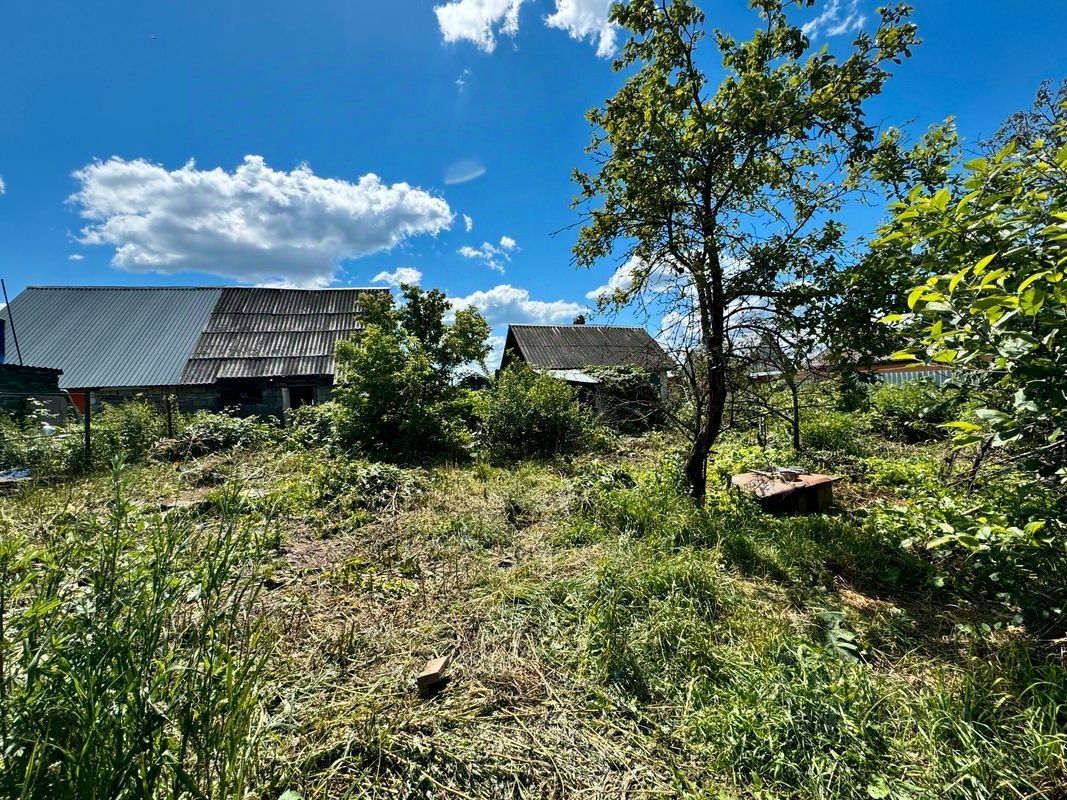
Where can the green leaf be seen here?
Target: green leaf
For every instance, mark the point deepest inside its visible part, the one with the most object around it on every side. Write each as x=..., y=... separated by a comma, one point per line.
x=878, y=789
x=979, y=268
x=903, y=355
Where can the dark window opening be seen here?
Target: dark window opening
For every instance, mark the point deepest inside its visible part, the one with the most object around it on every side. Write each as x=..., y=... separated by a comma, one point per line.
x=301, y=396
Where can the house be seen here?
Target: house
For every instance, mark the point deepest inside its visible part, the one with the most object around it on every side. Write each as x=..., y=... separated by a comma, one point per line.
x=25, y=388
x=262, y=350
x=568, y=351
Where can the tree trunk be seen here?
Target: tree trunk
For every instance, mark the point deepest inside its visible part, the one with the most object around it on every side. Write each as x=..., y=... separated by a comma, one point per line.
x=696, y=462
x=795, y=392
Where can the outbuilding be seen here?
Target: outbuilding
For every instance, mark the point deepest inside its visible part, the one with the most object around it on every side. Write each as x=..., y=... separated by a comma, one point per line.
x=260, y=350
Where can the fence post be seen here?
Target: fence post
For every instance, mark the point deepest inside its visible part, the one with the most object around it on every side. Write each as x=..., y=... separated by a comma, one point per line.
x=88, y=430
x=170, y=419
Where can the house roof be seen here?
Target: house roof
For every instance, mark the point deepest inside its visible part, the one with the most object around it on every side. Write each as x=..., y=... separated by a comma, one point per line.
x=110, y=337
x=574, y=347
x=258, y=333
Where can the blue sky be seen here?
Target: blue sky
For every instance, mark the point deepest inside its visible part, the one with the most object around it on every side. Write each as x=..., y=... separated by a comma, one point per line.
x=470, y=109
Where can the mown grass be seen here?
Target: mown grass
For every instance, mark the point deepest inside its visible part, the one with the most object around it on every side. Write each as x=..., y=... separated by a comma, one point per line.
x=250, y=623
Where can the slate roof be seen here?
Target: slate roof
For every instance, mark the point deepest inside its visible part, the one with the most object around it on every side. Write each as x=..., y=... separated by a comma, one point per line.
x=112, y=337
x=573, y=347
x=261, y=333
x=109, y=336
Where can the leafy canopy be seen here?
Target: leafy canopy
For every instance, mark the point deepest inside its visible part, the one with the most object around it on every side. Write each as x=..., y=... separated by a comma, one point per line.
x=722, y=198
x=395, y=380
x=995, y=306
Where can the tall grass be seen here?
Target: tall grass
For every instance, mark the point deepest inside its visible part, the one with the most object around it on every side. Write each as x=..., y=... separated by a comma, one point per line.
x=130, y=655
x=685, y=617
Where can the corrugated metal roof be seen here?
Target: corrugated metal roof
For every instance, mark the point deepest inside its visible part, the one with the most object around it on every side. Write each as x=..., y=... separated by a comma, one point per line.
x=260, y=333
x=110, y=336
x=579, y=346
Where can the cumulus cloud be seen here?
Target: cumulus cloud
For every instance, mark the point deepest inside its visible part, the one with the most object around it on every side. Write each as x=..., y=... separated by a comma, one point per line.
x=3, y=188
x=468, y=223
x=76, y=257
x=493, y=256
x=835, y=21
x=481, y=22
x=510, y=304
x=254, y=224
x=587, y=20
x=408, y=275
x=478, y=21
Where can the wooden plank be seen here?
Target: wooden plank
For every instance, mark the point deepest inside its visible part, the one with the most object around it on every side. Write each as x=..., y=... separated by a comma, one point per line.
x=432, y=678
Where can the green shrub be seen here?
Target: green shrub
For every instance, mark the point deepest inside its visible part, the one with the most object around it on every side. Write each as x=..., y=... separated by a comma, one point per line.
x=208, y=432
x=127, y=431
x=528, y=414
x=31, y=442
x=368, y=486
x=397, y=404
x=317, y=426
x=629, y=399
x=914, y=411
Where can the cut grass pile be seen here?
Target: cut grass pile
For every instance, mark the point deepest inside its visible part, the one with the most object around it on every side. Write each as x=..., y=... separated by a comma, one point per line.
x=250, y=624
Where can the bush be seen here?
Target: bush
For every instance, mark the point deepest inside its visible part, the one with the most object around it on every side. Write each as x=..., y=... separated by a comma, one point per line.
x=362, y=485
x=914, y=411
x=396, y=404
x=529, y=414
x=128, y=431
x=208, y=432
x=629, y=401
x=31, y=442
x=317, y=426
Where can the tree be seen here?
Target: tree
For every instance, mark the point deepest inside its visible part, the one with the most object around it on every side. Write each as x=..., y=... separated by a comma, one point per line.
x=395, y=379
x=722, y=199
x=995, y=306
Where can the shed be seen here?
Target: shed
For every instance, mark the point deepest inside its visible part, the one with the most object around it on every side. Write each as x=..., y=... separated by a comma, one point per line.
x=263, y=350
x=567, y=351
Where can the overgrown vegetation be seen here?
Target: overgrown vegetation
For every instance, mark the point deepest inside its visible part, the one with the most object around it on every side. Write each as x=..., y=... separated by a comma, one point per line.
x=249, y=621
x=214, y=606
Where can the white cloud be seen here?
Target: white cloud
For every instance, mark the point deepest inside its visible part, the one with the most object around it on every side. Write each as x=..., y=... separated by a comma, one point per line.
x=478, y=21
x=493, y=256
x=400, y=275
x=481, y=22
x=509, y=304
x=834, y=21
x=461, y=81
x=496, y=351
x=3, y=188
x=464, y=171
x=75, y=257
x=468, y=223
x=254, y=224
x=587, y=20
x=658, y=279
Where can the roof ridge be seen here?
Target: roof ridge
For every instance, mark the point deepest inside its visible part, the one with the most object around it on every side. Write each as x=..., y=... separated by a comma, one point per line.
x=572, y=325
x=113, y=287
